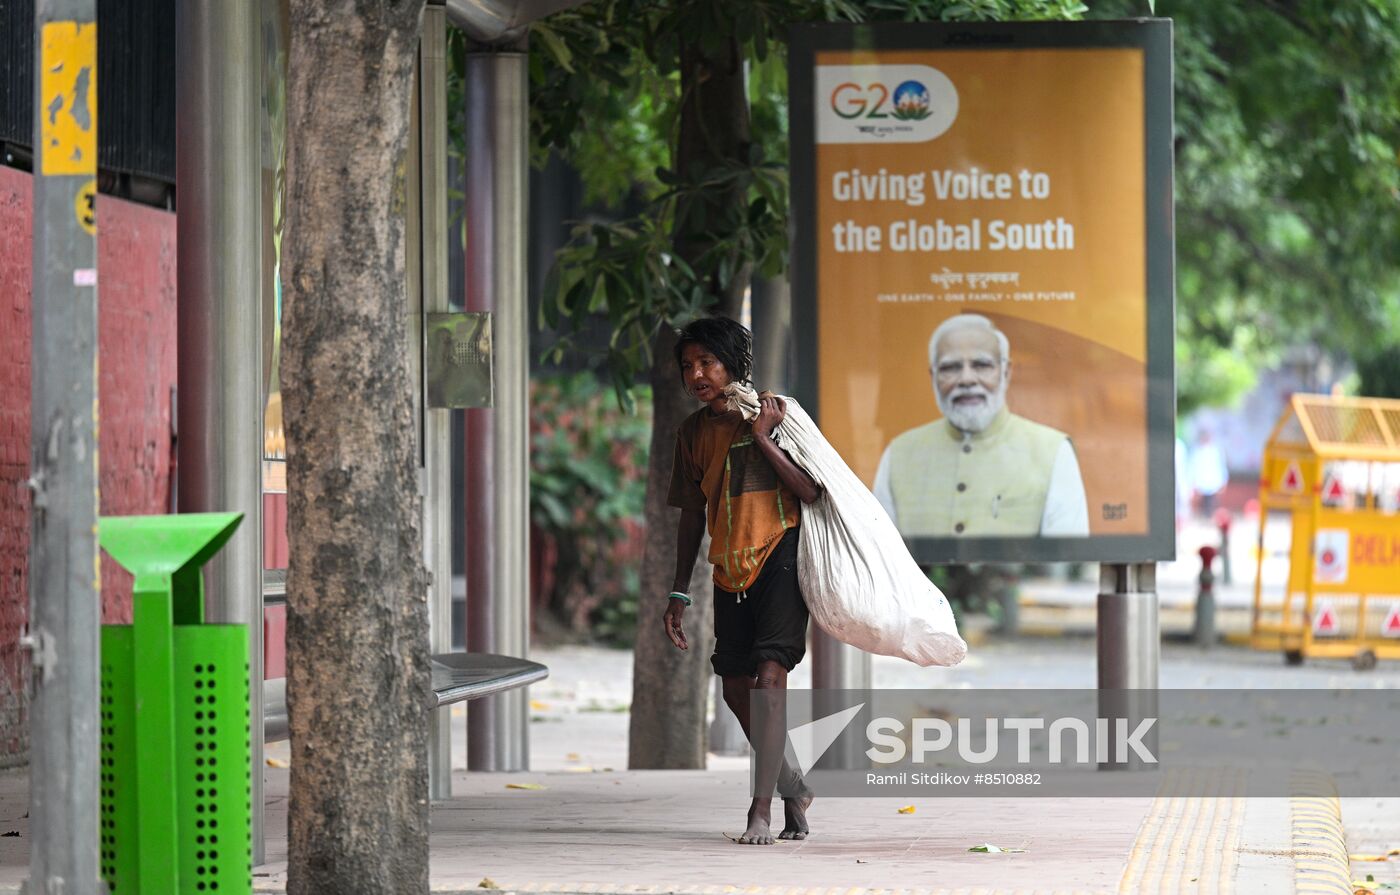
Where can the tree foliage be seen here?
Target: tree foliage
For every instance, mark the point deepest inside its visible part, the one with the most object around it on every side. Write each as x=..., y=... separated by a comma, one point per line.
x=1287, y=187
x=606, y=97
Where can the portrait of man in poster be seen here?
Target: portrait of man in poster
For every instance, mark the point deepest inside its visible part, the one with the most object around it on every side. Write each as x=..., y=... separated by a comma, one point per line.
x=980, y=470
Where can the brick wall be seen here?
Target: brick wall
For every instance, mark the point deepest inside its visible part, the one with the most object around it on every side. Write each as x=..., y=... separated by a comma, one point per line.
x=136, y=368
x=14, y=458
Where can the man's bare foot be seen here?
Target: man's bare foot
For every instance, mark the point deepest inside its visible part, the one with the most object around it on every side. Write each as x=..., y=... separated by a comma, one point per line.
x=795, y=816
x=760, y=831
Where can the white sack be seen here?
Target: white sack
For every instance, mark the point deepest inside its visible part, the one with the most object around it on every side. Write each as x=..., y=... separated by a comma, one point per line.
x=860, y=583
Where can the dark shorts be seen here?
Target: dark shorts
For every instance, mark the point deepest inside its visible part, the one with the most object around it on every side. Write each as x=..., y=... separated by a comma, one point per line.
x=769, y=622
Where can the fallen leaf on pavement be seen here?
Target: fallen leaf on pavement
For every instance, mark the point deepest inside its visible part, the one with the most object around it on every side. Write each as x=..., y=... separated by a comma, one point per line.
x=525, y=786
x=276, y=763
x=989, y=849
x=907, y=809
x=572, y=756
x=487, y=883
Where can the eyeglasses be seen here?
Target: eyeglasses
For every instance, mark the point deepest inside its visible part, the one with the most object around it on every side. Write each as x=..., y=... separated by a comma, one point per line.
x=981, y=368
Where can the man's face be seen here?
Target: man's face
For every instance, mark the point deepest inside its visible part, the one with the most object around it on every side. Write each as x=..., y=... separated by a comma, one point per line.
x=703, y=374
x=970, y=378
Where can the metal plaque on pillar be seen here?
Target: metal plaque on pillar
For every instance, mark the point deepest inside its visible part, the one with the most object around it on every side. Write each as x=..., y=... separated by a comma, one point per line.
x=457, y=351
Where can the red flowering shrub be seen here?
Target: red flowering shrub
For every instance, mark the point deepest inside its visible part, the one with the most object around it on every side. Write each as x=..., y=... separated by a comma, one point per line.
x=588, y=466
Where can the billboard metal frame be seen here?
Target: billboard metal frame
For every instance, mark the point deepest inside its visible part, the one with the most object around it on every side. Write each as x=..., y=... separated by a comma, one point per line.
x=1153, y=37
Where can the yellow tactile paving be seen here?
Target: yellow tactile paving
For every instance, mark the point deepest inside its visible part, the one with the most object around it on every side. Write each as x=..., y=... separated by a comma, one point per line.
x=1189, y=843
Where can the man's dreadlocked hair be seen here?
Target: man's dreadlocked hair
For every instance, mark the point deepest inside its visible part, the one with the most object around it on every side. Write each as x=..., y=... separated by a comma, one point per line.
x=728, y=340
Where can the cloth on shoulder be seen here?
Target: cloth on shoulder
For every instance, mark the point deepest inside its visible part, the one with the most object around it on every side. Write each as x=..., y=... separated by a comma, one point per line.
x=860, y=582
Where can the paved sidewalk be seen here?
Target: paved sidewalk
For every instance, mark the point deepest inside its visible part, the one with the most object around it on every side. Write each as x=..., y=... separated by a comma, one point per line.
x=597, y=828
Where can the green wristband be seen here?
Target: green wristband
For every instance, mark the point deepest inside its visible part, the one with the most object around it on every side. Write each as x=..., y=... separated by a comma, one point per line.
x=684, y=598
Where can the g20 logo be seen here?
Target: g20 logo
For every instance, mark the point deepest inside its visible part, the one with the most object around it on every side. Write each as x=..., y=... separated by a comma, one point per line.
x=883, y=103
x=909, y=101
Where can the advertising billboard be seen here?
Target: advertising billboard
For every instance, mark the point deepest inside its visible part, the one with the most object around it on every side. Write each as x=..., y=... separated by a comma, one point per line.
x=983, y=280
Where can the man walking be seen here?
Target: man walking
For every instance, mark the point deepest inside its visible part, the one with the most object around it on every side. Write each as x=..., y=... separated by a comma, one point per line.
x=731, y=477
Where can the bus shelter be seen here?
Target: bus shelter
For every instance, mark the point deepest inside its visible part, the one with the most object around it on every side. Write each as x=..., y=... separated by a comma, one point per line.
x=1331, y=474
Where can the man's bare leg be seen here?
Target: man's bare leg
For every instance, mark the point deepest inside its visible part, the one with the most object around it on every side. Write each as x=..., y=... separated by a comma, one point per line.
x=797, y=796
x=773, y=769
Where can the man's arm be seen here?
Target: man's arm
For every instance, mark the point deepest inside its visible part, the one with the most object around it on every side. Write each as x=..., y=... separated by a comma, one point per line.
x=689, y=533
x=1066, y=513
x=792, y=475
x=688, y=536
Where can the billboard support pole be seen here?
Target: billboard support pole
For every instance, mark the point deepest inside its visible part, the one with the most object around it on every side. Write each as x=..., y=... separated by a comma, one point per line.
x=838, y=666
x=1129, y=645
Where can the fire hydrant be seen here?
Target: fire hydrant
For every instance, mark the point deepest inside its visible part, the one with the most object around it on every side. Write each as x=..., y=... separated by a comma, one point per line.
x=1204, y=632
x=1222, y=522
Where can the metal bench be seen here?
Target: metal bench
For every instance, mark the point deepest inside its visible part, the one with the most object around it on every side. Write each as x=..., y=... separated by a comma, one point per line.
x=457, y=677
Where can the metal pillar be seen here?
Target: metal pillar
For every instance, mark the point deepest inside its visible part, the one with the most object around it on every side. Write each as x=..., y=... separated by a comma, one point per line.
x=437, y=436
x=1129, y=643
x=1129, y=647
x=772, y=332
x=726, y=736
x=838, y=666
x=64, y=600
x=497, y=112
x=218, y=76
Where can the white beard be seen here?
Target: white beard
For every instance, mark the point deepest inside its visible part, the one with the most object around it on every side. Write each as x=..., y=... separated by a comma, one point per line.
x=975, y=417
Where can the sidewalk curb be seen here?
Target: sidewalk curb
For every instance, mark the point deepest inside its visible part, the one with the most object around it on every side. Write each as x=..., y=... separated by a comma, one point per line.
x=603, y=889
x=1322, y=865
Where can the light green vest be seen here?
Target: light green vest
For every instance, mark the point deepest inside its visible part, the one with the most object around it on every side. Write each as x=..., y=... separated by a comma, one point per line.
x=989, y=484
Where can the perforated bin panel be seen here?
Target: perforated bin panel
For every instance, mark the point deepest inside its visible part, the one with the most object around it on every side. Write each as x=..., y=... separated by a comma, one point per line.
x=212, y=772
x=117, y=824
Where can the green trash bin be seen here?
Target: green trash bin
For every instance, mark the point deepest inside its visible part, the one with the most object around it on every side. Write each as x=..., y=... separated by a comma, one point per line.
x=175, y=756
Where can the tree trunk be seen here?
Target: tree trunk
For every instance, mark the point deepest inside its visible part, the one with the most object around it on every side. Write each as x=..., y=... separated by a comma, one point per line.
x=357, y=621
x=670, y=687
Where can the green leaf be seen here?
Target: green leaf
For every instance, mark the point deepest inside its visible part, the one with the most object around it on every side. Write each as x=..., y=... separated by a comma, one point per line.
x=554, y=510
x=986, y=848
x=553, y=45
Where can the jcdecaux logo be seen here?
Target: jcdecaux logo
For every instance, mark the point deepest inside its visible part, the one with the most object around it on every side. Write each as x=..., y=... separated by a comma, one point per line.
x=883, y=103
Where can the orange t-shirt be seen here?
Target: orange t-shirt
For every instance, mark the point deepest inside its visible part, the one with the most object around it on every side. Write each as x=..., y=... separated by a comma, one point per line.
x=718, y=468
